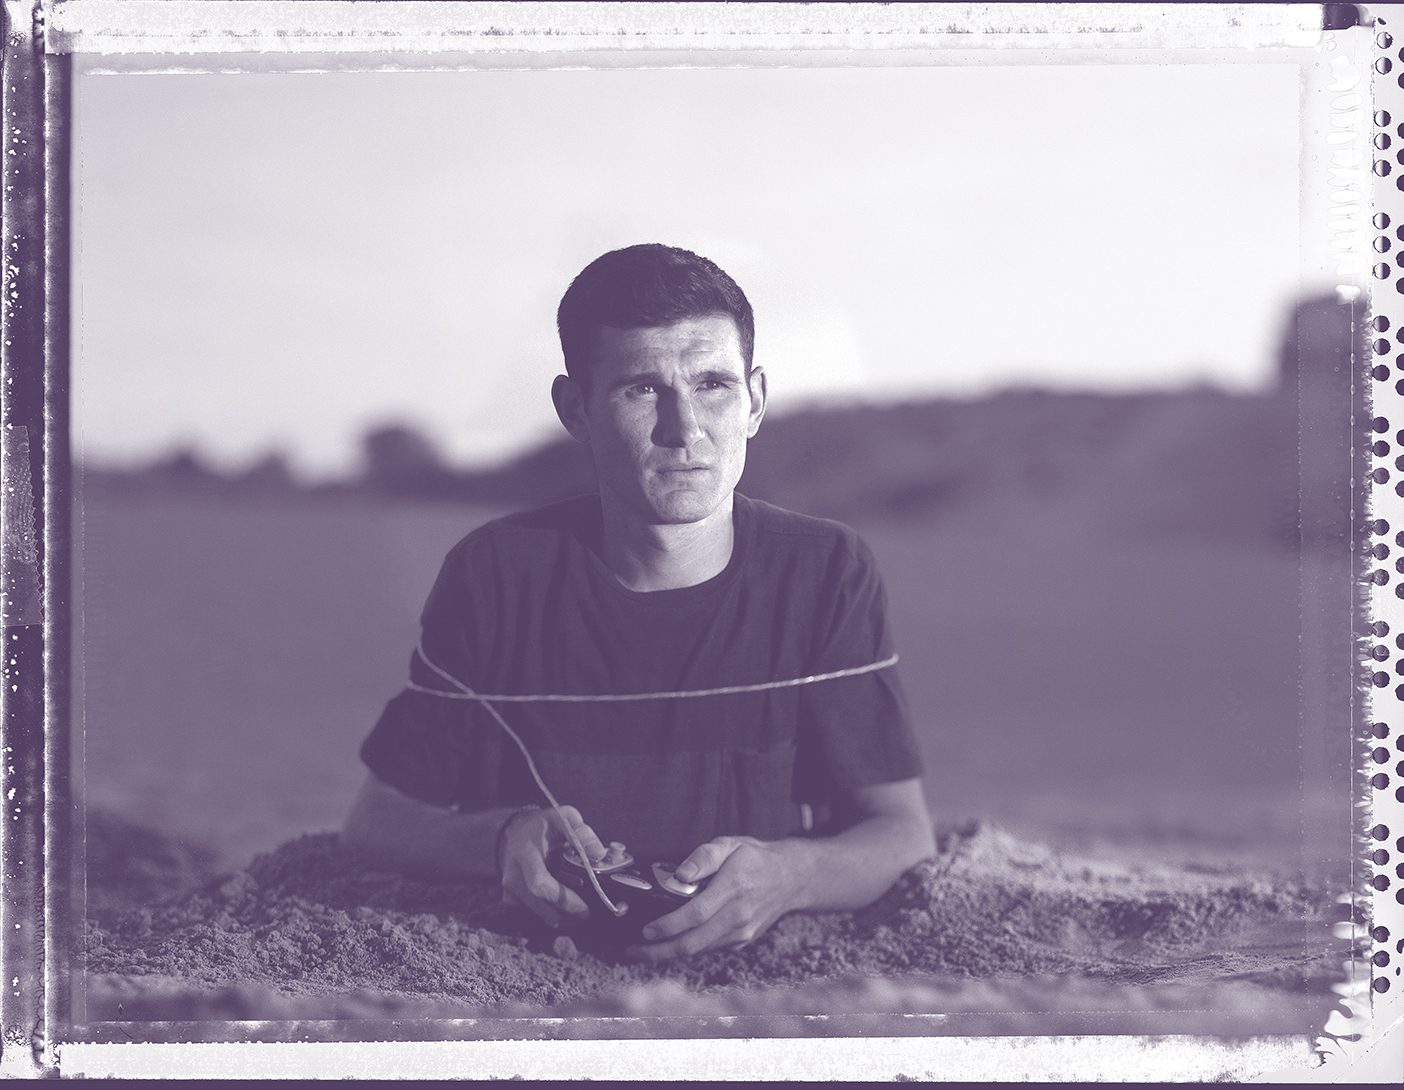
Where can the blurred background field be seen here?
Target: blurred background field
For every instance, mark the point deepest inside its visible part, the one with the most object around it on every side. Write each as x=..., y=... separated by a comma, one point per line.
x=1095, y=598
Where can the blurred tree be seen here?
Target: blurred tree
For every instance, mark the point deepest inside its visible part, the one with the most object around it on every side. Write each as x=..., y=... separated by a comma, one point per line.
x=400, y=459
x=542, y=475
x=182, y=466
x=269, y=473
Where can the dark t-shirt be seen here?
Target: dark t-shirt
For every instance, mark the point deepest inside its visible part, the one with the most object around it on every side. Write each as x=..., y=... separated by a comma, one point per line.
x=525, y=605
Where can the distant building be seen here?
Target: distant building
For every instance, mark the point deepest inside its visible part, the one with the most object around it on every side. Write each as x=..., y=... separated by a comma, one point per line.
x=1317, y=343
x=1320, y=368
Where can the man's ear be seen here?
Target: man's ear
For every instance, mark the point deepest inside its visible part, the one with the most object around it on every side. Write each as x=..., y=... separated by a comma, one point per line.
x=569, y=400
x=755, y=382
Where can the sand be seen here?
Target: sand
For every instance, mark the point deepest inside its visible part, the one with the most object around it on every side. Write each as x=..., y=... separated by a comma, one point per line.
x=307, y=931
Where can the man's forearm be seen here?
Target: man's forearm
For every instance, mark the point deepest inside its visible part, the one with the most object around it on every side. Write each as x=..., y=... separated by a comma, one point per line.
x=399, y=833
x=857, y=866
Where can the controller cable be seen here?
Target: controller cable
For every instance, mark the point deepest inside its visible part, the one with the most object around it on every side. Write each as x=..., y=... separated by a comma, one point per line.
x=487, y=701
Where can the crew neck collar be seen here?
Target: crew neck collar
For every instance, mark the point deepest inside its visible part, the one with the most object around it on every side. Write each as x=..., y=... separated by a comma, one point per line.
x=741, y=517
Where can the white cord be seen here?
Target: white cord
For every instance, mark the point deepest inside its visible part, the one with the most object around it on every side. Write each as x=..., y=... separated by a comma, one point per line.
x=592, y=698
x=531, y=765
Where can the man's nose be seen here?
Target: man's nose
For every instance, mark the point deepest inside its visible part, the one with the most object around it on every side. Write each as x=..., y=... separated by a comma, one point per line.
x=678, y=425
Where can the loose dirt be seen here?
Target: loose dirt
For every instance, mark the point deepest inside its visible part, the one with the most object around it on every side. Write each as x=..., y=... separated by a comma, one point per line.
x=309, y=922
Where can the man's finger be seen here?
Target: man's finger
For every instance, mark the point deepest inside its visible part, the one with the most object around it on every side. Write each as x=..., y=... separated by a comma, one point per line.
x=706, y=859
x=593, y=845
x=517, y=890
x=541, y=885
x=543, y=911
x=693, y=914
x=715, y=932
x=569, y=901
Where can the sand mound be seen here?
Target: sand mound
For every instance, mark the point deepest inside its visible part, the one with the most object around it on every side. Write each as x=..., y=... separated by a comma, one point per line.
x=309, y=920
x=128, y=865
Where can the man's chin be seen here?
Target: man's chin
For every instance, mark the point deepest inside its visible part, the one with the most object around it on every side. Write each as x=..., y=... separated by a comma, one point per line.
x=684, y=505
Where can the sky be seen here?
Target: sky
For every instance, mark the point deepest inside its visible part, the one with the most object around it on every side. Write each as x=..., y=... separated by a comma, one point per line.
x=282, y=260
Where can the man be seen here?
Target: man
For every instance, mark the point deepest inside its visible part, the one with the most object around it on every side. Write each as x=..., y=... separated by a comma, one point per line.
x=666, y=581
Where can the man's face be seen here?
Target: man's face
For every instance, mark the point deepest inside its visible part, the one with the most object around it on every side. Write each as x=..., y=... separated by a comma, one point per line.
x=667, y=415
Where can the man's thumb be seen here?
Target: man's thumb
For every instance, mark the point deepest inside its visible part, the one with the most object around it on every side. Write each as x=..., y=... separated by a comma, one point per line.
x=703, y=862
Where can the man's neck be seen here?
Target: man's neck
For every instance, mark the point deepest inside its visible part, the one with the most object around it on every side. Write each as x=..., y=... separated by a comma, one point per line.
x=648, y=557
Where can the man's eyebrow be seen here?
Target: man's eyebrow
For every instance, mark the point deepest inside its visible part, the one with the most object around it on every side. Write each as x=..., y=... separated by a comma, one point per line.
x=711, y=374
x=715, y=374
x=636, y=378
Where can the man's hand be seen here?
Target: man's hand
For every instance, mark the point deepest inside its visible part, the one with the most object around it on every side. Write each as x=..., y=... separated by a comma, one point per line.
x=527, y=838
x=754, y=883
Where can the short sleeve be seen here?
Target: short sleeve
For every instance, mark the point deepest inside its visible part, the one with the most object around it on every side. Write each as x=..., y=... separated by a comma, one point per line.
x=441, y=750
x=854, y=731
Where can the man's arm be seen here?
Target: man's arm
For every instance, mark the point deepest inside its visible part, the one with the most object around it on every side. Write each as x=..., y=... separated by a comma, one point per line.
x=391, y=830
x=755, y=882
x=890, y=833
x=396, y=832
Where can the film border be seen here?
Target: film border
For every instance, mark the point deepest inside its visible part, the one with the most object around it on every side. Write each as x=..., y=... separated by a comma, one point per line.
x=36, y=835
x=33, y=360
x=1371, y=999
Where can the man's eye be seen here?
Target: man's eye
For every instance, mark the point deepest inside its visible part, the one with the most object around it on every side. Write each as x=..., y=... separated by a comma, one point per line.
x=644, y=388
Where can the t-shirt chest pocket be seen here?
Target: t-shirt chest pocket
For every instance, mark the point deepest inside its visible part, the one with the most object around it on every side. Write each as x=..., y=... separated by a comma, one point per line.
x=755, y=793
x=665, y=804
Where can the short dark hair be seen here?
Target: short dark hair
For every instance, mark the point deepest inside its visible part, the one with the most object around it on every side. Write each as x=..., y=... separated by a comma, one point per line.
x=643, y=286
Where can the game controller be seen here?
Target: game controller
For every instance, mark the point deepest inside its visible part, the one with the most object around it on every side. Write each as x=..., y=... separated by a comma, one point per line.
x=644, y=891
